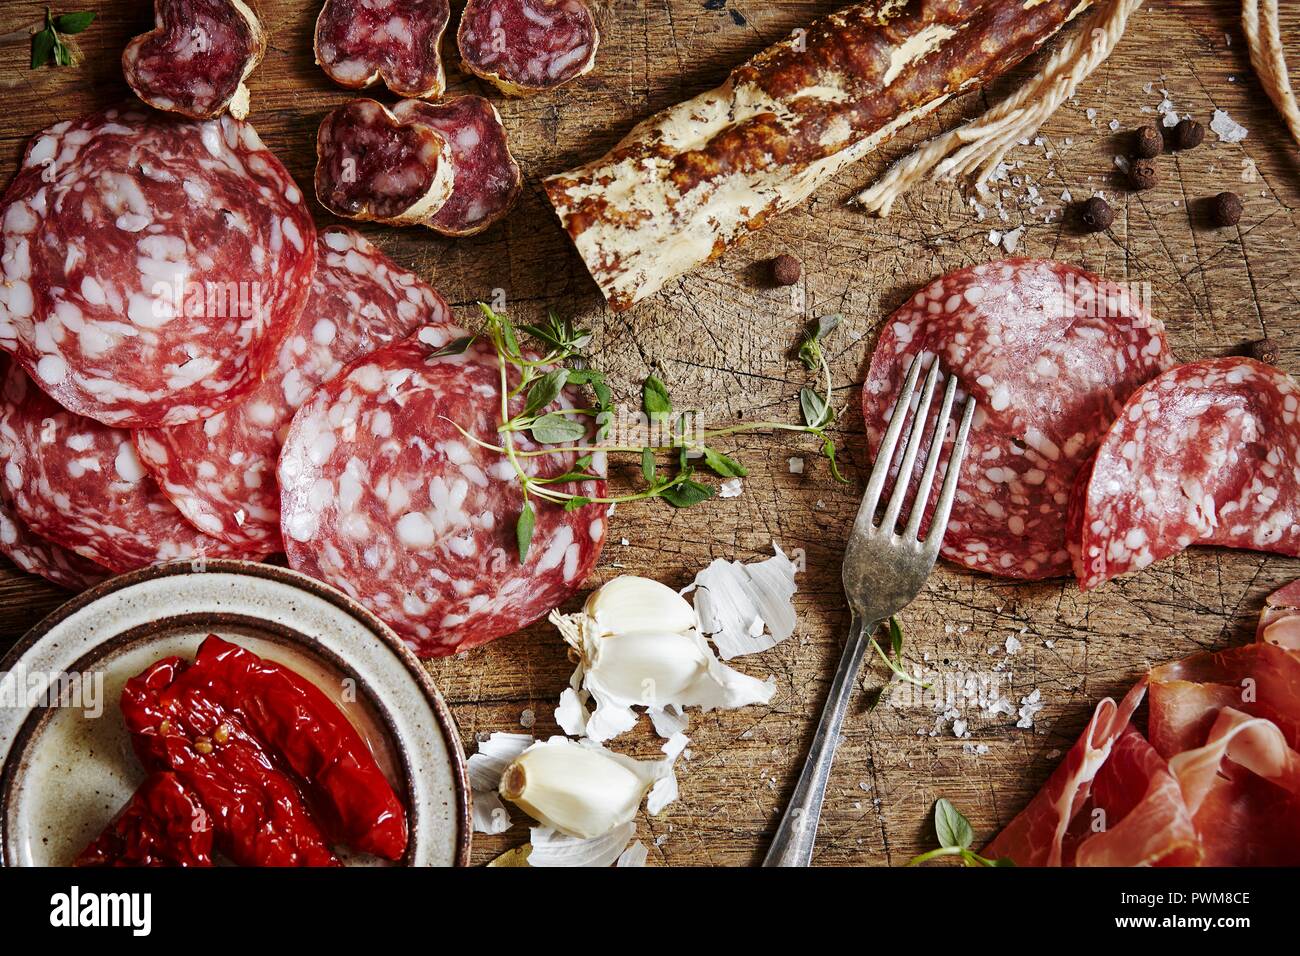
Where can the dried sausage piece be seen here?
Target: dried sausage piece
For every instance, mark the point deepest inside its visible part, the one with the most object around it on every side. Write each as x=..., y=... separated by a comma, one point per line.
x=1208, y=453
x=526, y=46
x=359, y=42
x=35, y=555
x=220, y=471
x=1051, y=352
x=196, y=58
x=487, y=178
x=370, y=166
x=80, y=484
x=152, y=264
x=385, y=498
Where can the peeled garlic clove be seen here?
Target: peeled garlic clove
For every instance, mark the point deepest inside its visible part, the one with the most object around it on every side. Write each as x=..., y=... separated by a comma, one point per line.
x=633, y=605
x=649, y=668
x=580, y=790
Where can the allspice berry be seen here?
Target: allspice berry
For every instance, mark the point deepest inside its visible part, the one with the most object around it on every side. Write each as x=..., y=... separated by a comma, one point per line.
x=1188, y=134
x=1263, y=350
x=1142, y=173
x=786, y=269
x=1226, y=209
x=1095, y=214
x=1147, y=142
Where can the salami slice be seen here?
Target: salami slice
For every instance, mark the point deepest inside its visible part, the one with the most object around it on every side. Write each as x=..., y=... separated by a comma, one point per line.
x=196, y=58
x=359, y=42
x=220, y=472
x=1051, y=352
x=487, y=178
x=371, y=166
x=527, y=46
x=384, y=497
x=1208, y=453
x=152, y=264
x=35, y=555
x=79, y=483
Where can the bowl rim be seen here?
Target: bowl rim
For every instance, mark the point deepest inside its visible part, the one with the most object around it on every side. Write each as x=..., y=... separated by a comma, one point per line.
x=296, y=579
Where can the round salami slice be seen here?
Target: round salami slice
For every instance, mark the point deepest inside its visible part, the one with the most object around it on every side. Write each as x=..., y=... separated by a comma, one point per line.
x=527, y=46
x=152, y=264
x=35, y=555
x=487, y=178
x=220, y=472
x=386, y=499
x=1051, y=352
x=370, y=166
x=196, y=58
x=1208, y=453
x=79, y=483
x=359, y=42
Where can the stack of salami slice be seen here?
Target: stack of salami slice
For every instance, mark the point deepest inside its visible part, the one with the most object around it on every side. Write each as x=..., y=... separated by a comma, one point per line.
x=168, y=308
x=1091, y=453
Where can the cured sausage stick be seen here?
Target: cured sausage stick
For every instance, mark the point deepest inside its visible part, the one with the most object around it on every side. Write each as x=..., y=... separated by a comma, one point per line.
x=685, y=184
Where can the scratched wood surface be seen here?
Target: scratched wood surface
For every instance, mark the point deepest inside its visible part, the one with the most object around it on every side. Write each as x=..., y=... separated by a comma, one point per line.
x=721, y=338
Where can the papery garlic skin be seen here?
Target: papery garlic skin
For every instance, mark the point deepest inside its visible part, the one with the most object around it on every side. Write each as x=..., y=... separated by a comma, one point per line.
x=580, y=790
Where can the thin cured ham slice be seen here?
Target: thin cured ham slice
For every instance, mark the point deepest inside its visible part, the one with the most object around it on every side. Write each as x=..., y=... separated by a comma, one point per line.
x=384, y=497
x=359, y=42
x=196, y=58
x=1208, y=453
x=1051, y=352
x=152, y=264
x=79, y=483
x=220, y=472
x=527, y=46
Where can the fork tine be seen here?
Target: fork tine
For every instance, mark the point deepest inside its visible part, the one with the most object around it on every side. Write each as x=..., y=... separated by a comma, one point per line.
x=931, y=461
x=885, y=454
x=904, y=479
x=943, y=509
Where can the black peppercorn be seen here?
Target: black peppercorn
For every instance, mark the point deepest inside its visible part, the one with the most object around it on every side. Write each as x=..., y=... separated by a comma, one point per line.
x=786, y=269
x=1142, y=173
x=1147, y=142
x=1225, y=209
x=1188, y=134
x=1263, y=350
x=1095, y=214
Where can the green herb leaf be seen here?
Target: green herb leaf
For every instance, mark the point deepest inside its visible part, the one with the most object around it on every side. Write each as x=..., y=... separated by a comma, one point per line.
x=62, y=55
x=604, y=397
x=686, y=493
x=648, y=464
x=895, y=638
x=576, y=502
x=654, y=397
x=42, y=47
x=556, y=429
x=524, y=530
x=724, y=465
x=828, y=450
x=952, y=829
x=816, y=413
x=545, y=390
x=70, y=23
x=810, y=349
x=455, y=346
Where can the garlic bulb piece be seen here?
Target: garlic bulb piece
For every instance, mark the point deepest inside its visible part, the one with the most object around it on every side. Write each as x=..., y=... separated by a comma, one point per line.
x=580, y=789
x=632, y=605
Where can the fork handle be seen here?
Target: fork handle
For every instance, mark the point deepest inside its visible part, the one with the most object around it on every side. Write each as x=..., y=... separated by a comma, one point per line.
x=793, y=843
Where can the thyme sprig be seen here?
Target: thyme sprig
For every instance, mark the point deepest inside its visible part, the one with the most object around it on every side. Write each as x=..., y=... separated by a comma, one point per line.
x=49, y=43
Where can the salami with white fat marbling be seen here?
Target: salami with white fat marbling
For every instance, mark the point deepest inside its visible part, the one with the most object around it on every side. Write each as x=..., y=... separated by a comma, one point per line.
x=220, y=471
x=359, y=42
x=79, y=483
x=1208, y=453
x=527, y=46
x=383, y=497
x=1050, y=352
x=152, y=264
x=372, y=166
x=196, y=58
x=487, y=178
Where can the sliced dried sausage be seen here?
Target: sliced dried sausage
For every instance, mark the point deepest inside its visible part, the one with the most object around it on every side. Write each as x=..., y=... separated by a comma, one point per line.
x=527, y=46
x=359, y=42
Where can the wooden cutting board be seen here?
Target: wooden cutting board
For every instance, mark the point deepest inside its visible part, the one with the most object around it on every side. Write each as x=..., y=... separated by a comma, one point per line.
x=721, y=338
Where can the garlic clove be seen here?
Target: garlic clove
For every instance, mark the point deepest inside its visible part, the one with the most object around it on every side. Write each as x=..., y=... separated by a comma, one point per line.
x=648, y=668
x=632, y=605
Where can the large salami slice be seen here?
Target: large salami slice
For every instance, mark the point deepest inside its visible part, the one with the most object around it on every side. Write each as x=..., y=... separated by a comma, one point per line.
x=685, y=184
x=1051, y=353
x=220, y=471
x=371, y=166
x=79, y=483
x=487, y=178
x=35, y=555
x=359, y=42
x=383, y=497
x=527, y=46
x=152, y=264
x=196, y=58
x=1208, y=453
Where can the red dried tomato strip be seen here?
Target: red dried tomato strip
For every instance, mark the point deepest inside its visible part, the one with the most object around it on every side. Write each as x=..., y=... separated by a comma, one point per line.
x=163, y=824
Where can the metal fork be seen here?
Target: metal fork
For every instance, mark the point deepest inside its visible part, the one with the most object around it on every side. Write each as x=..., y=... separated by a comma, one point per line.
x=883, y=572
